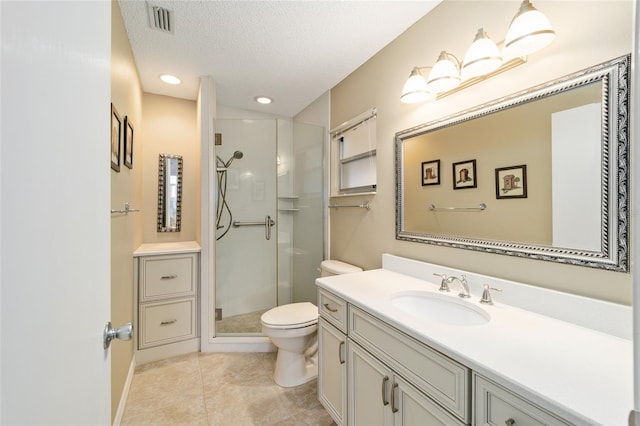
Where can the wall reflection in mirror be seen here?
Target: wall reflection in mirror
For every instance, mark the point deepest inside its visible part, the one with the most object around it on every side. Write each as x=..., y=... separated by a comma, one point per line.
x=550, y=163
x=169, y=192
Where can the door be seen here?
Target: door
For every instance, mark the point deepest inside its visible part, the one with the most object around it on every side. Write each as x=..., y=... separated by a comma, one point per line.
x=246, y=235
x=54, y=217
x=332, y=371
x=369, y=386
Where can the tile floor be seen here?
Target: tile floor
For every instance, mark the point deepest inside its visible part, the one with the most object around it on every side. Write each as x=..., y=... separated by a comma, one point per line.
x=219, y=389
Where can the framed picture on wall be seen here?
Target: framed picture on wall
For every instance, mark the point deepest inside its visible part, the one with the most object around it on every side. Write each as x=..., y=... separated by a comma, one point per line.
x=511, y=182
x=128, y=143
x=464, y=175
x=116, y=131
x=431, y=172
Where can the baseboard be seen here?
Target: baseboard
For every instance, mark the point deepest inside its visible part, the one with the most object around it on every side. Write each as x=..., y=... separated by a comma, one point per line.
x=125, y=393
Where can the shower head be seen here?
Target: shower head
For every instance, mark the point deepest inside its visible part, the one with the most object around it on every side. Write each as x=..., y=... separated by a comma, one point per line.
x=236, y=156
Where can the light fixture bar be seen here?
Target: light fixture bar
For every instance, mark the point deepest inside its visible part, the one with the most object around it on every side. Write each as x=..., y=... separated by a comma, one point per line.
x=506, y=66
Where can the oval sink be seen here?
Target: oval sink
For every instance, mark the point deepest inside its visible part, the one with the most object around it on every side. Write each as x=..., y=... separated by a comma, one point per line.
x=439, y=308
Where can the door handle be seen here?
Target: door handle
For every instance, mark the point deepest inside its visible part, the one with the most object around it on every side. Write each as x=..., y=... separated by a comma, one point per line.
x=340, y=349
x=123, y=332
x=268, y=223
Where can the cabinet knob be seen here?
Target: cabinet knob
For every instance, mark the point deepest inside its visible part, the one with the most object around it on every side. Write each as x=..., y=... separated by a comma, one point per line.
x=510, y=422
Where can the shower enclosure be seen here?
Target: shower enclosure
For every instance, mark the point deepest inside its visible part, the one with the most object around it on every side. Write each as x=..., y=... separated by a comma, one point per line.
x=269, y=240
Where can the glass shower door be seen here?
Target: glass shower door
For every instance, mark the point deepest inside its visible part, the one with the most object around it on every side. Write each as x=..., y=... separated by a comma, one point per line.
x=246, y=245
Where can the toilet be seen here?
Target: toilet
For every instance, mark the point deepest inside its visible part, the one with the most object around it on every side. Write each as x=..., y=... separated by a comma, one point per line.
x=292, y=329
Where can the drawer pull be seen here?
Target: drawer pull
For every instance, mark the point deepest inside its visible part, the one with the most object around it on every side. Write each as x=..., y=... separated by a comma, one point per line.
x=394, y=409
x=173, y=321
x=169, y=277
x=385, y=379
x=340, y=350
x=329, y=308
x=510, y=422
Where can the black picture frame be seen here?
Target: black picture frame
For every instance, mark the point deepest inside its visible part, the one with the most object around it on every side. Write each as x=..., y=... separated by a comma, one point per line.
x=431, y=172
x=128, y=143
x=511, y=182
x=464, y=175
x=116, y=135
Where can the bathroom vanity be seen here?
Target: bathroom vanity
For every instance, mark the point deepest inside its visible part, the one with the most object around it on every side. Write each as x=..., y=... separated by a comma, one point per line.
x=166, y=300
x=395, y=350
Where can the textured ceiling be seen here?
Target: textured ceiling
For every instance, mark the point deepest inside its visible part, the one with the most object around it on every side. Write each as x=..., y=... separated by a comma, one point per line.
x=292, y=51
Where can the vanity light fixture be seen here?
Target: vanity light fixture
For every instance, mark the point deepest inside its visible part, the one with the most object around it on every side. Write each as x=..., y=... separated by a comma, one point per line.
x=170, y=79
x=528, y=32
x=415, y=89
x=445, y=74
x=264, y=100
x=482, y=57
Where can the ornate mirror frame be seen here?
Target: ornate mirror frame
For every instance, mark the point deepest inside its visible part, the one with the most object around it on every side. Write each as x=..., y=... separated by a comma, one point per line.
x=614, y=234
x=169, y=192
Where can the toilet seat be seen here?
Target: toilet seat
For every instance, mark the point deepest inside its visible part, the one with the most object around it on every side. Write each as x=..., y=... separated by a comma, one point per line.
x=293, y=315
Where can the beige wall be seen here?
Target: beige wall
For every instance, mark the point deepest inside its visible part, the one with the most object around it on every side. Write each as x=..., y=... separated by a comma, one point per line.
x=170, y=127
x=602, y=32
x=126, y=186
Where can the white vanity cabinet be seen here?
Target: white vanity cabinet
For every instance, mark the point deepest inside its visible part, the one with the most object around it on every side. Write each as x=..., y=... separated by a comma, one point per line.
x=167, y=285
x=370, y=373
x=496, y=405
x=379, y=396
x=332, y=366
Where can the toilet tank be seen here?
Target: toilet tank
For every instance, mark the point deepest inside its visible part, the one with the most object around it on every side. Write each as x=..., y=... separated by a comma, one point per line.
x=336, y=267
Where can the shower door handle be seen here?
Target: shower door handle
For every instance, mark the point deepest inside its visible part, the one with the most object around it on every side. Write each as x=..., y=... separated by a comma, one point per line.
x=268, y=223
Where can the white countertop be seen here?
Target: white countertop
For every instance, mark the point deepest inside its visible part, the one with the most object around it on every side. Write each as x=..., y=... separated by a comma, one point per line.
x=581, y=374
x=176, y=247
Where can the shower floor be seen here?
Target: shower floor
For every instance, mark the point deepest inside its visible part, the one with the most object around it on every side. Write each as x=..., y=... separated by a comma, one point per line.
x=242, y=323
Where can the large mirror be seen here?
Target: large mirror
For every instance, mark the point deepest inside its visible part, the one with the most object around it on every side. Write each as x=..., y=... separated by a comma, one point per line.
x=169, y=192
x=542, y=174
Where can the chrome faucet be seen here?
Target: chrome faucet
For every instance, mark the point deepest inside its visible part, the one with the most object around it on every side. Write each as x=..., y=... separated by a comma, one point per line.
x=464, y=286
x=444, y=282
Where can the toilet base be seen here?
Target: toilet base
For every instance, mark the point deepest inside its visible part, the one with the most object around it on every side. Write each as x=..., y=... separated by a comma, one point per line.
x=294, y=369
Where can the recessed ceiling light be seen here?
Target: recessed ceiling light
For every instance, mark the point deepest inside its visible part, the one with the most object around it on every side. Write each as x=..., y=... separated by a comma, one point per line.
x=170, y=79
x=263, y=100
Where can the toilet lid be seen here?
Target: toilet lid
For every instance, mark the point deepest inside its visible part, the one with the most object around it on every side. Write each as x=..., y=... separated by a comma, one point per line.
x=293, y=314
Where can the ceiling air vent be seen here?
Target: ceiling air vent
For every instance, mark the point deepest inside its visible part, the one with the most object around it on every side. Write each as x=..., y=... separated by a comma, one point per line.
x=161, y=19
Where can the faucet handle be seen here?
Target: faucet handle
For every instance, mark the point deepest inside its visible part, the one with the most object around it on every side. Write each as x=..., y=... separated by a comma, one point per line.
x=486, y=294
x=444, y=283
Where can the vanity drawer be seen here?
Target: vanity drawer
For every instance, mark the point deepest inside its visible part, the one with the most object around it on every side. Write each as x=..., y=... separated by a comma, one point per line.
x=494, y=405
x=168, y=276
x=443, y=379
x=167, y=322
x=333, y=309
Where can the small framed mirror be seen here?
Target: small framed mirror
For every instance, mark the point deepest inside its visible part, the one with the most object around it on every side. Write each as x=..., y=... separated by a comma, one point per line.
x=169, y=192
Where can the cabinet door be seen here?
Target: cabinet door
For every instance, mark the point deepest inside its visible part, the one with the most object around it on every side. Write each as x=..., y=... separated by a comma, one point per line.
x=332, y=371
x=412, y=407
x=369, y=386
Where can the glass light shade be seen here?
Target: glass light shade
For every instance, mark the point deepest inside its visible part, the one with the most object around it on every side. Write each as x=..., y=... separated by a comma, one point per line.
x=444, y=75
x=482, y=57
x=415, y=89
x=529, y=32
x=170, y=79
